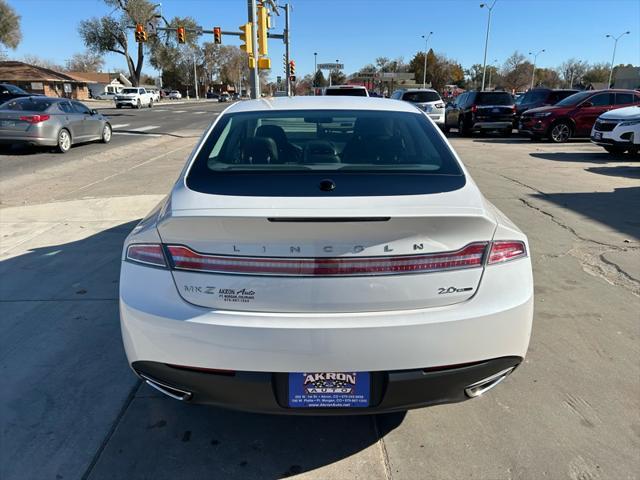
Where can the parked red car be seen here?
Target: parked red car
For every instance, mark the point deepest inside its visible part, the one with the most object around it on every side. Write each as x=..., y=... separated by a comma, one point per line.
x=575, y=115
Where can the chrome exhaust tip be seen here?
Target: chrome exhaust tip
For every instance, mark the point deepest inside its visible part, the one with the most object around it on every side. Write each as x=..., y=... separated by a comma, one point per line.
x=486, y=384
x=173, y=392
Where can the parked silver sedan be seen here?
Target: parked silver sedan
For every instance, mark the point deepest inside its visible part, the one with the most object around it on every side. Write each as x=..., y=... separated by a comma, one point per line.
x=54, y=122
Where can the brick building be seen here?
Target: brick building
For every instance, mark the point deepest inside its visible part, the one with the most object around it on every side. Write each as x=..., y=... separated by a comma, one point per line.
x=44, y=81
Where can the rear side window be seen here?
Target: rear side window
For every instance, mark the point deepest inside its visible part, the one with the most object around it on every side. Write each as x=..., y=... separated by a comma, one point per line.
x=421, y=97
x=624, y=98
x=534, y=96
x=493, y=98
x=555, y=97
x=30, y=104
x=286, y=153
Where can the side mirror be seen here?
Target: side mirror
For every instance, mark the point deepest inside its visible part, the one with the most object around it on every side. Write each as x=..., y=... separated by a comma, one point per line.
x=94, y=112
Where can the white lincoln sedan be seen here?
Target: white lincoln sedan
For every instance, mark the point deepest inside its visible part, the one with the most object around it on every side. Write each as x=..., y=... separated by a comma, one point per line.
x=325, y=255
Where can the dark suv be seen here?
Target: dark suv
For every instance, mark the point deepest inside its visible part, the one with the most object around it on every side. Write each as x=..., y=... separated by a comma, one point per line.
x=575, y=115
x=481, y=111
x=9, y=92
x=540, y=97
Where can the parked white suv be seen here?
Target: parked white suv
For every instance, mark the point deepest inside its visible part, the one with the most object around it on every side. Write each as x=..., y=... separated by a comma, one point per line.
x=347, y=90
x=618, y=130
x=137, y=97
x=425, y=99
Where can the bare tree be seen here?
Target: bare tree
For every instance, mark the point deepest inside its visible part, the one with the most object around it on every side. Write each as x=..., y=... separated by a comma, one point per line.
x=517, y=72
x=10, y=34
x=109, y=34
x=85, y=62
x=572, y=71
x=41, y=62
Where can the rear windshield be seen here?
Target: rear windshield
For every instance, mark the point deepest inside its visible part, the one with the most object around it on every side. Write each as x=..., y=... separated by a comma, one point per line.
x=12, y=89
x=351, y=92
x=129, y=90
x=29, y=104
x=574, y=99
x=493, y=98
x=421, y=97
x=534, y=96
x=270, y=149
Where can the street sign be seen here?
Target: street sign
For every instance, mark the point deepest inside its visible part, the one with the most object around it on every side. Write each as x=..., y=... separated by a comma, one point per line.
x=398, y=75
x=331, y=66
x=367, y=75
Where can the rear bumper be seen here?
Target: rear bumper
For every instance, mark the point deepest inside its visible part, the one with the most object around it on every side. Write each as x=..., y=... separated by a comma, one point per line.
x=267, y=392
x=30, y=140
x=485, y=125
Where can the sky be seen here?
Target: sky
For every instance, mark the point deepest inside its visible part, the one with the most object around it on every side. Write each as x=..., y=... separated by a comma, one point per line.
x=356, y=32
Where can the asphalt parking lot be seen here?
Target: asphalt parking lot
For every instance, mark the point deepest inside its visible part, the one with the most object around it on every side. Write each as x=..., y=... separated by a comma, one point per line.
x=75, y=411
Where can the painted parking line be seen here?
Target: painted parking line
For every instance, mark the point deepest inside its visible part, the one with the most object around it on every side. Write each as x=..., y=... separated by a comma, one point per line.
x=146, y=128
x=120, y=125
x=198, y=113
x=179, y=111
x=160, y=110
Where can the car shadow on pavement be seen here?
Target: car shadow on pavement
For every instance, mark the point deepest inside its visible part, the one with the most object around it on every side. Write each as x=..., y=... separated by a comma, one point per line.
x=619, y=171
x=198, y=441
x=618, y=209
x=588, y=157
x=60, y=333
x=22, y=149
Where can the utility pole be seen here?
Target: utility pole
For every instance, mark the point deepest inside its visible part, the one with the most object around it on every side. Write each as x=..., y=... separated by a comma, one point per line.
x=486, y=40
x=254, y=78
x=195, y=76
x=613, y=57
x=424, y=73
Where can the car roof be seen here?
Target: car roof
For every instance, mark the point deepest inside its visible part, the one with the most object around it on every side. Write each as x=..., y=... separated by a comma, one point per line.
x=322, y=102
x=417, y=90
x=335, y=87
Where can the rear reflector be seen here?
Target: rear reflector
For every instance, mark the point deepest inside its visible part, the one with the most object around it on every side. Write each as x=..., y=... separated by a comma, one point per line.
x=471, y=256
x=503, y=251
x=35, y=118
x=149, y=254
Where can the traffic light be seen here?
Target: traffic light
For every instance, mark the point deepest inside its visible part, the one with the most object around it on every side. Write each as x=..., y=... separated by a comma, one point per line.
x=264, y=63
x=292, y=68
x=246, y=37
x=141, y=35
x=217, y=35
x=182, y=37
x=263, y=26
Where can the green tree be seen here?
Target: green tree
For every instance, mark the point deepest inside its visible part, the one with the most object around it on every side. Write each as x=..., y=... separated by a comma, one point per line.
x=517, y=72
x=319, y=80
x=109, y=34
x=597, y=73
x=10, y=34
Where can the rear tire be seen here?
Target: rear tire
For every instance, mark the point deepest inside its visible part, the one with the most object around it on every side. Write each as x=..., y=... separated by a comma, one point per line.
x=150, y=103
x=106, y=133
x=64, y=141
x=118, y=106
x=446, y=128
x=462, y=130
x=507, y=132
x=139, y=104
x=560, y=132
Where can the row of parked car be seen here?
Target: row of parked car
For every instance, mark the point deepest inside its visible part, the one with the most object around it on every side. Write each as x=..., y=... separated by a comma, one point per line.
x=611, y=118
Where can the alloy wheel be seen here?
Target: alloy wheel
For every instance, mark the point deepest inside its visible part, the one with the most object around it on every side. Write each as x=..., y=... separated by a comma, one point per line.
x=560, y=132
x=64, y=140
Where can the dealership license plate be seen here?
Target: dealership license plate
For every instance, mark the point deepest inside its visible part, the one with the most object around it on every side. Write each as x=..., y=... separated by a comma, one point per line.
x=7, y=123
x=495, y=110
x=597, y=135
x=329, y=390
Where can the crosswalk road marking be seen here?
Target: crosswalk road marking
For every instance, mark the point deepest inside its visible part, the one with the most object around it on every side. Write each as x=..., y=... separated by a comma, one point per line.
x=120, y=125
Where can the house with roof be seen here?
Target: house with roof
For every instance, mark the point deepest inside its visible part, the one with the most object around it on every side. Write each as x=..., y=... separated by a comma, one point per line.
x=44, y=81
x=102, y=82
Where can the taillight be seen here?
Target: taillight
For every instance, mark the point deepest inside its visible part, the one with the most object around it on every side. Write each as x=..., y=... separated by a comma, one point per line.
x=504, y=251
x=513, y=107
x=474, y=108
x=35, y=118
x=148, y=254
x=471, y=256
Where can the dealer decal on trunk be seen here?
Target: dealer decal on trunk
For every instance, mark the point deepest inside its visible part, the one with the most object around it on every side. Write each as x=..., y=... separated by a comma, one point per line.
x=243, y=295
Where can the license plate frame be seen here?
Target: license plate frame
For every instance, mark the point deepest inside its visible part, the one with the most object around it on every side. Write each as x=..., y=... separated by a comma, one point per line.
x=313, y=390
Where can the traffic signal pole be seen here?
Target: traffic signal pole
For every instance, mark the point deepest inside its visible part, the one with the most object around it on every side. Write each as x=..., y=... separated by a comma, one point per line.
x=286, y=50
x=254, y=78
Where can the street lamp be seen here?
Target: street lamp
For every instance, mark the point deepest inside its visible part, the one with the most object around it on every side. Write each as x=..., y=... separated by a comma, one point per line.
x=615, y=44
x=315, y=68
x=491, y=71
x=424, y=73
x=533, y=74
x=486, y=40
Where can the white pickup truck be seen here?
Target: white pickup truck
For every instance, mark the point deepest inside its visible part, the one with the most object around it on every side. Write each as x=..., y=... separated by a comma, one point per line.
x=137, y=97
